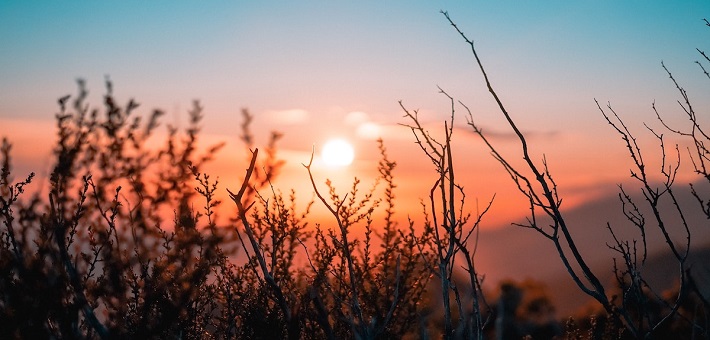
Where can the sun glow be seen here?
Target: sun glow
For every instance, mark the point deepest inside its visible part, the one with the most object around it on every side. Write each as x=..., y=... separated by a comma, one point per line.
x=337, y=153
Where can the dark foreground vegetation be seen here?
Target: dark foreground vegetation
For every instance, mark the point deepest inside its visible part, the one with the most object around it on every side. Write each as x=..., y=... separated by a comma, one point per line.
x=94, y=254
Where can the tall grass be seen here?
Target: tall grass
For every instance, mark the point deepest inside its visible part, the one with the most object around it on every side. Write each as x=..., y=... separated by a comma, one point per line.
x=97, y=256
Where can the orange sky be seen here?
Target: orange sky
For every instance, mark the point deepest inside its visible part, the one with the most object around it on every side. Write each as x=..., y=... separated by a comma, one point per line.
x=315, y=71
x=584, y=170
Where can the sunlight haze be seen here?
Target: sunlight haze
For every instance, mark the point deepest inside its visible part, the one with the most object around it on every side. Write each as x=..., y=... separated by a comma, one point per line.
x=331, y=78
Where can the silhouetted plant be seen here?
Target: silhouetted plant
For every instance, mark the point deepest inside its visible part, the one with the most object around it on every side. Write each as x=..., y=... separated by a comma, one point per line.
x=349, y=288
x=641, y=311
x=96, y=254
x=99, y=258
x=95, y=259
x=448, y=230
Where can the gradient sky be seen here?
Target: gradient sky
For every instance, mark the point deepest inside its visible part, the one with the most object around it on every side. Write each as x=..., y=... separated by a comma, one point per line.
x=316, y=70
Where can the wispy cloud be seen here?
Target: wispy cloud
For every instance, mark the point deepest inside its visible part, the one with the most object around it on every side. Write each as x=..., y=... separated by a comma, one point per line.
x=510, y=135
x=287, y=117
x=357, y=118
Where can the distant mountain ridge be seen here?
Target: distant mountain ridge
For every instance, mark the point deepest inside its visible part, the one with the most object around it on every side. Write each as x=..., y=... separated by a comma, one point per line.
x=512, y=252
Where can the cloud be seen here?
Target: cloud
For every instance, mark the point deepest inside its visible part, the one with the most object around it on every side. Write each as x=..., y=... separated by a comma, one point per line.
x=369, y=130
x=510, y=135
x=357, y=118
x=288, y=117
x=372, y=131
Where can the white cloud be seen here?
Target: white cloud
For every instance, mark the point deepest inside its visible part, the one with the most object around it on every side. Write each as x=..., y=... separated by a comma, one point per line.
x=288, y=117
x=356, y=118
x=368, y=130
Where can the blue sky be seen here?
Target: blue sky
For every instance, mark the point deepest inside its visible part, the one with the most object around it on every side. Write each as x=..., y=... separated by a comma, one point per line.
x=328, y=60
x=321, y=69
x=315, y=55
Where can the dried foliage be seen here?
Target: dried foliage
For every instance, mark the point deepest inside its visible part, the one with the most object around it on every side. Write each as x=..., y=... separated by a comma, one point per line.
x=96, y=257
x=632, y=308
x=95, y=254
x=451, y=229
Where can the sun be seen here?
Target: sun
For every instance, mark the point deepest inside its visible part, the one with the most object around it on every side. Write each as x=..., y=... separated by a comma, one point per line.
x=337, y=153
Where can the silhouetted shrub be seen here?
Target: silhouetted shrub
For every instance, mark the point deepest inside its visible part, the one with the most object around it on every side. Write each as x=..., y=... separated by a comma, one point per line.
x=97, y=255
x=113, y=246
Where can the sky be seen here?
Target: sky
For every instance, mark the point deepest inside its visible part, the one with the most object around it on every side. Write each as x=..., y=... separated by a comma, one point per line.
x=315, y=70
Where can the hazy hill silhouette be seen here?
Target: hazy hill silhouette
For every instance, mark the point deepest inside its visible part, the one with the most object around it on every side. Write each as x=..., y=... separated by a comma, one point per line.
x=517, y=253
